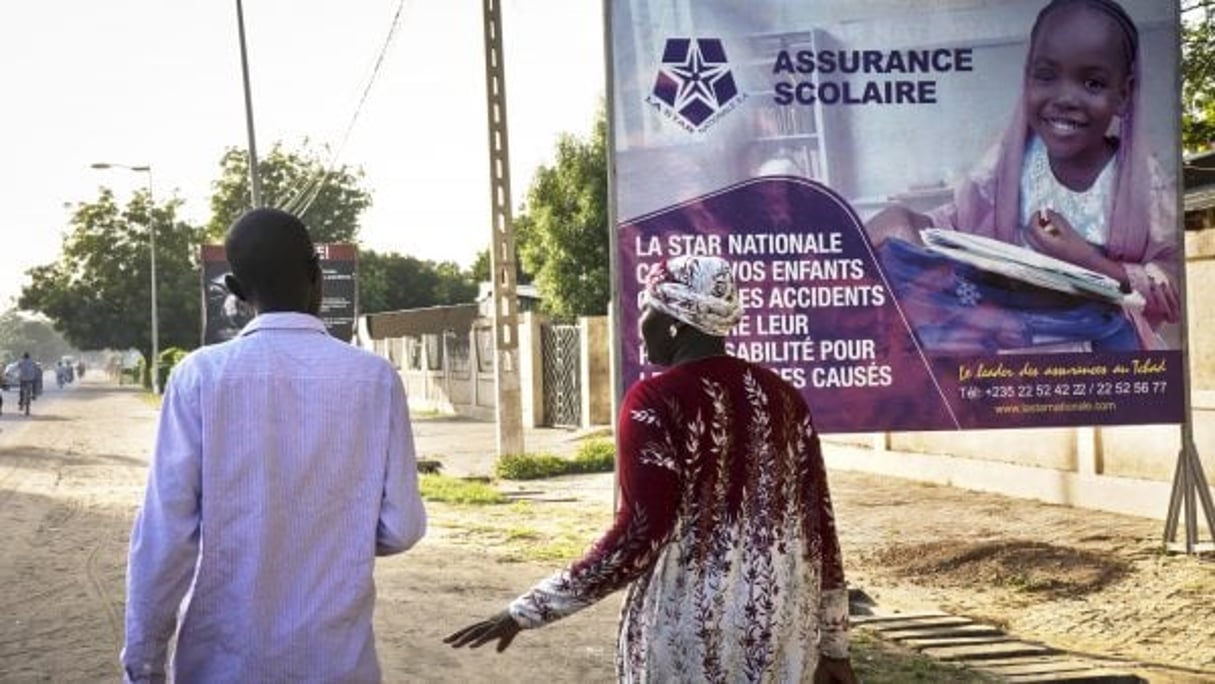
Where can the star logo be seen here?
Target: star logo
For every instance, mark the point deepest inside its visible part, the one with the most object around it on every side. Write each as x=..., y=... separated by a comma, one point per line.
x=694, y=81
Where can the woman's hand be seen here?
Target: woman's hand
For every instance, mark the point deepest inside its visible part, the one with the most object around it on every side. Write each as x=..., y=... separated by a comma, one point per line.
x=834, y=671
x=501, y=627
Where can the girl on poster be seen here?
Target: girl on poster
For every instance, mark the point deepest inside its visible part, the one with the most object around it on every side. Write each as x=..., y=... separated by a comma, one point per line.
x=1071, y=179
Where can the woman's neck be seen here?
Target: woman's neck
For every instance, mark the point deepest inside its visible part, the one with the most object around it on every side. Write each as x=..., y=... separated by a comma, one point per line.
x=699, y=348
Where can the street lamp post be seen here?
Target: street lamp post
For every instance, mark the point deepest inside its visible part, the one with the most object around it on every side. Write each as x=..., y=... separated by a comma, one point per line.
x=154, y=362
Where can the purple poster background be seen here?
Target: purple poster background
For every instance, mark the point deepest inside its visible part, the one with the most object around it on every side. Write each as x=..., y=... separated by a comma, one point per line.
x=786, y=136
x=821, y=313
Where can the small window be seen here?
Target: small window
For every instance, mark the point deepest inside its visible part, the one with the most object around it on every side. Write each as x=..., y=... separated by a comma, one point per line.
x=485, y=349
x=434, y=352
x=457, y=352
x=413, y=353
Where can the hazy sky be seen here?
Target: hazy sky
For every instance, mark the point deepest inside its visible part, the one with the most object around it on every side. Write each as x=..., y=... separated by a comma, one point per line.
x=148, y=82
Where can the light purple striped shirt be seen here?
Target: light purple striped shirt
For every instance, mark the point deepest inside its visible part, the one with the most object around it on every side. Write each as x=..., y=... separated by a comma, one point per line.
x=284, y=463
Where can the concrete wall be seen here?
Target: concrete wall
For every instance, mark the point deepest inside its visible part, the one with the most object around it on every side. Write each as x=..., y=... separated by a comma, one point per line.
x=596, y=371
x=474, y=394
x=531, y=368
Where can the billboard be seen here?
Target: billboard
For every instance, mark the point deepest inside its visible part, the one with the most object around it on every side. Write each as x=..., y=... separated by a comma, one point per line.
x=224, y=315
x=940, y=215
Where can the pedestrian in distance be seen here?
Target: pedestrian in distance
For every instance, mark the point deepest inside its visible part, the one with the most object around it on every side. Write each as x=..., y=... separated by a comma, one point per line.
x=724, y=534
x=284, y=464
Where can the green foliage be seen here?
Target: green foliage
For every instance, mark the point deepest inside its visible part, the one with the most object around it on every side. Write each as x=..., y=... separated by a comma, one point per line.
x=328, y=200
x=595, y=456
x=98, y=293
x=562, y=232
x=169, y=358
x=1198, y=75
x=20, y=333
x=529, y=466
x=456, y=490
x=390, y=282
x=481, y=267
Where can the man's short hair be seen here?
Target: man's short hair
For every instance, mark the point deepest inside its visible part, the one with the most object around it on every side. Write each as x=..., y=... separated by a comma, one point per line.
x=271, y=254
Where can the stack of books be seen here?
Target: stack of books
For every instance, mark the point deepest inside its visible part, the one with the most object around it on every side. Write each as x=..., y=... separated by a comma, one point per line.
x=1025, y=265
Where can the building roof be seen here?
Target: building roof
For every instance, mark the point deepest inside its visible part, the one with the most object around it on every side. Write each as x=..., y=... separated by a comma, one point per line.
x=1198, y=179
x=431, y=320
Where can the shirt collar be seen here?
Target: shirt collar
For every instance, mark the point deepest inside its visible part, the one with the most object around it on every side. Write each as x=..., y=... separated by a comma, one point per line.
x=283, y=320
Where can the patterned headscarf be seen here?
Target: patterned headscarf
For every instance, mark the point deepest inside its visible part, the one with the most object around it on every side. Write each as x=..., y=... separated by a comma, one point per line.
x=698, y=290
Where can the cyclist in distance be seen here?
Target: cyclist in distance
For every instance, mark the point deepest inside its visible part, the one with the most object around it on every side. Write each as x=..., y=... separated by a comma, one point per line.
x=27, y=375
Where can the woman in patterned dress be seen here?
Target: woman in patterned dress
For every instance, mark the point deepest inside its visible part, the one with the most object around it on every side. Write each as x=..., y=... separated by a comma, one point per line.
x=724, y=536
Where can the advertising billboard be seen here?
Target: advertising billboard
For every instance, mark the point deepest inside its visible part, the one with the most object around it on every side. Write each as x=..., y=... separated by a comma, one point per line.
x=940, y=216
x=224, y=315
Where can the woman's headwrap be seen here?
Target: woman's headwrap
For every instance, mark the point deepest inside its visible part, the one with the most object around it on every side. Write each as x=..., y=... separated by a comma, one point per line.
x=698, y=290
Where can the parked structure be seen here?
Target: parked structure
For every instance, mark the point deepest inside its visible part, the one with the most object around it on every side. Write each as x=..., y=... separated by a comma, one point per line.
x=445, y=357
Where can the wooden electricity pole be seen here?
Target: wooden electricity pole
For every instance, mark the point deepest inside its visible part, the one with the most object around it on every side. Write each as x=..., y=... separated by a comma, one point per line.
x=502, y=248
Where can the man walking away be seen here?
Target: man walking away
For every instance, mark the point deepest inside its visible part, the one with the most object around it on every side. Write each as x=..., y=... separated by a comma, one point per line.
x=284, y=463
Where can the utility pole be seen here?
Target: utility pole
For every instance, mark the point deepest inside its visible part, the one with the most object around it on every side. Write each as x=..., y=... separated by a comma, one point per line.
x=502, y=247
x=255, y=186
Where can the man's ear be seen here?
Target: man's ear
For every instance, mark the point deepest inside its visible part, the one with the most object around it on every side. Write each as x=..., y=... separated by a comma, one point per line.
x=234, y=287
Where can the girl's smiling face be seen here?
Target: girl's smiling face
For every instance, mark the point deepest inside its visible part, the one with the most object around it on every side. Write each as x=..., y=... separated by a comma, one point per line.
x=1077, y=79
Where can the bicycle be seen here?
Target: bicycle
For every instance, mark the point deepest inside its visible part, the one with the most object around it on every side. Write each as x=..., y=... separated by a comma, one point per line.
x=26, y=397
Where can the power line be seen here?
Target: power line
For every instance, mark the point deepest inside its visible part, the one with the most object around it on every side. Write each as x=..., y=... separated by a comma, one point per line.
x=308, y=190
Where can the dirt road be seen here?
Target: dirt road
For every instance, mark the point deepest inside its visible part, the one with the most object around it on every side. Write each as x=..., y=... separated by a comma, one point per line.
x=72, y=475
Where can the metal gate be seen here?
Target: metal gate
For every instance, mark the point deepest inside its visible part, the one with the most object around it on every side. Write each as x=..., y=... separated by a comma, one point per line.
x=562, y=379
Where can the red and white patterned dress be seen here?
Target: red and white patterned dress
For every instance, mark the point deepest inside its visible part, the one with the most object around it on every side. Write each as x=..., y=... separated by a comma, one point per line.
x=725, y=534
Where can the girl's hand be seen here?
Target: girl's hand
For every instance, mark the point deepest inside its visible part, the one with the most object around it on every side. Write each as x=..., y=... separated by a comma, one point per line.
x=1051, y=234
x=1162, y=297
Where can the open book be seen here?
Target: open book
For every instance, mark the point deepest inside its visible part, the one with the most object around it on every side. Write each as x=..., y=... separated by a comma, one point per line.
x=1025, y=265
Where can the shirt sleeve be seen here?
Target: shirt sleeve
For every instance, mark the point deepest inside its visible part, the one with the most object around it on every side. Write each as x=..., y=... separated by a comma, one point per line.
x=165, y=536
x=649, y=487
x=402, y=514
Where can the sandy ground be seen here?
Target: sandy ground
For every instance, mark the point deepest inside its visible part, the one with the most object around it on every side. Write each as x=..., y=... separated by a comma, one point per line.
x=72, y=475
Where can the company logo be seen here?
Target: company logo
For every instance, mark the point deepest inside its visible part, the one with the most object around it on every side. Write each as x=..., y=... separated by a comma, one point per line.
x=695, y=87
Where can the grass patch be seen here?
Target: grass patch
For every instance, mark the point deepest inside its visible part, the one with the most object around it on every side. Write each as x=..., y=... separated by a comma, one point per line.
x=455, y=490
x=593, y=456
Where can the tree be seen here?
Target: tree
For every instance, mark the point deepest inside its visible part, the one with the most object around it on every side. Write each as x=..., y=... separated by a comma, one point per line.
x=1198, y=75
x=481, y=268
x=328, y=201
x=99, y=291
x=21, y=333
x=390, y=282
x=562, y=232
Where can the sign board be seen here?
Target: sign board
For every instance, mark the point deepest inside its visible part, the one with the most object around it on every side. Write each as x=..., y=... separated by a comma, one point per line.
x=224, y=315
x=935, y=222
